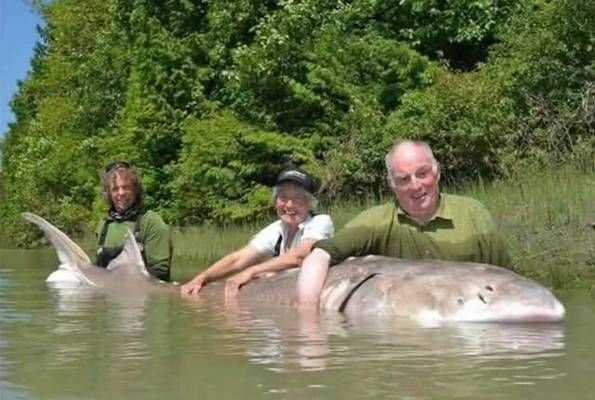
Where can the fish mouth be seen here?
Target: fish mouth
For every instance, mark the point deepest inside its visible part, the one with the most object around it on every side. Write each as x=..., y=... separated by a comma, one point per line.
x=540, y=314
x=514, y=313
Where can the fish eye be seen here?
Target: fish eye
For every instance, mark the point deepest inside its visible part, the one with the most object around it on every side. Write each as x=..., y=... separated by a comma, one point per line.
x=460, y=300
x=490, y=288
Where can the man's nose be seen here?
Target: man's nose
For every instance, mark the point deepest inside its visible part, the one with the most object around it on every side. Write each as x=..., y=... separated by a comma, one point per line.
x=415, y=182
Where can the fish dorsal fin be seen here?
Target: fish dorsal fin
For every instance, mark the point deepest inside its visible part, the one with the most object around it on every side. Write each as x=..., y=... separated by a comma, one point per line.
x=130, y=256
x=69, y=252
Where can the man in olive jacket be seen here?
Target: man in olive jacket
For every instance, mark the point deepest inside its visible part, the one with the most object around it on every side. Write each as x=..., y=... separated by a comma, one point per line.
x=123, y=192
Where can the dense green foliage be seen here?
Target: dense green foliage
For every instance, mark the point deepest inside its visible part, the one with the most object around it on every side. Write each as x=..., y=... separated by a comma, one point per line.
x=210, y=99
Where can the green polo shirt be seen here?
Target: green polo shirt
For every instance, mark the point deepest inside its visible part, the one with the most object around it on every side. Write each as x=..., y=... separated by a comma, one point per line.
x=461, y=230
x=154, y=237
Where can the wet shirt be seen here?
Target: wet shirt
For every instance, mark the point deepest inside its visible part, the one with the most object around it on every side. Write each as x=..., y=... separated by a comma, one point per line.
x=461, y=230
x=314, y=228
x=154, y=237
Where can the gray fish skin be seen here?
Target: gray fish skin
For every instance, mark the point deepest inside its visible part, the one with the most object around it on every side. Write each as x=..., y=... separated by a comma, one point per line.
x=445, y=291
x=427, y=291
x=125, y=274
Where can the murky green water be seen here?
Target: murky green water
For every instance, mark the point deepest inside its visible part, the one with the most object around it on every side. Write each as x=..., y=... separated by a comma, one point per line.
x=81, y=344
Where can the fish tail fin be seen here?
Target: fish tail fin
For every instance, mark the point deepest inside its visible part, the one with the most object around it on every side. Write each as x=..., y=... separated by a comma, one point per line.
x=71, y=256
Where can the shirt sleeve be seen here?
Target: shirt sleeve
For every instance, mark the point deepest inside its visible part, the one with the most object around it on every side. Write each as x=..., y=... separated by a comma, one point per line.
x=359, y=237
x=156, y=237
x=492, y=245
x=264, y=241
x=98, y=230
x=320, y=227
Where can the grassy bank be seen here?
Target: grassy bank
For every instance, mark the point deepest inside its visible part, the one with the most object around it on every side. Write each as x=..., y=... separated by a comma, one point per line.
x=547, y=219
x=545, y=215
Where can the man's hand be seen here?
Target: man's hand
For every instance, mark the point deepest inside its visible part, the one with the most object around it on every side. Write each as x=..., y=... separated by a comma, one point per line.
x=194, y=286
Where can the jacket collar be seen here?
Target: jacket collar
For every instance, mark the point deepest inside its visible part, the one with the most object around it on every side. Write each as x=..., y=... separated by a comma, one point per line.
x=130, y=214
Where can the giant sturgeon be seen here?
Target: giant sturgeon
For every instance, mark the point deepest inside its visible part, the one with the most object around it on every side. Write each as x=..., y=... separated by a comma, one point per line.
x=435, y=291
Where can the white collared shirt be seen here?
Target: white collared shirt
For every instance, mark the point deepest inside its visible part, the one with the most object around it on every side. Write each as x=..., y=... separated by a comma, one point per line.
x=313, y=228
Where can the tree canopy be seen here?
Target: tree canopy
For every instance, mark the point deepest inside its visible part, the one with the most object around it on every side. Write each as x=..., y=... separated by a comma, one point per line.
x=210, y=99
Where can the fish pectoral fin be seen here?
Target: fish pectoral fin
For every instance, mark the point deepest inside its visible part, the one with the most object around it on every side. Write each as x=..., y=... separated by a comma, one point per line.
x=353, y=289
x=337, y=293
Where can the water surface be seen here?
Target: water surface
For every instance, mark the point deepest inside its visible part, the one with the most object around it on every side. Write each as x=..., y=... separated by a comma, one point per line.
x=83, y=344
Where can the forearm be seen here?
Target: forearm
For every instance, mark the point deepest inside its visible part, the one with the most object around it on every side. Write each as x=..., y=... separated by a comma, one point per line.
x=276, y=264
x=232, y=263
x=312, y=277
x=224, y=266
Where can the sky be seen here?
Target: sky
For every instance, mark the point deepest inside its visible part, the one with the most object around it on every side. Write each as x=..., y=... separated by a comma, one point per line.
x=18, y=35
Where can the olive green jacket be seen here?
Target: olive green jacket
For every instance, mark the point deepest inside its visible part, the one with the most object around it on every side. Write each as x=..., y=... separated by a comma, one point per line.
x=154, y=239
x=461, y=230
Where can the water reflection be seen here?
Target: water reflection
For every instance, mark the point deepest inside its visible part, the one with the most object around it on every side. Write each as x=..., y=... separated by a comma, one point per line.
x=8, y=314
x=83, y=343
x=85, y=317
x=285, y=340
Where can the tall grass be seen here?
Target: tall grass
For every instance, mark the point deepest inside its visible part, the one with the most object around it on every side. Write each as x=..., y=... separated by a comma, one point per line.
x=545, y=216
x=195, y=248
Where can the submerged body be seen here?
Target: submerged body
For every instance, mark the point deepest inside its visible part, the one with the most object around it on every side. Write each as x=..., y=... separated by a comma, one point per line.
x=377, y=286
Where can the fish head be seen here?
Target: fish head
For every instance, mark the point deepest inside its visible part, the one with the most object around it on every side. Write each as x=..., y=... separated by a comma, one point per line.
x=434, y=292
x=517, y=299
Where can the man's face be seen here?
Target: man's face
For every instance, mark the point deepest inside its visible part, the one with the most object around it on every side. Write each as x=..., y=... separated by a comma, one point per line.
x=122, y=193
x=292, y=204
x=416, y=183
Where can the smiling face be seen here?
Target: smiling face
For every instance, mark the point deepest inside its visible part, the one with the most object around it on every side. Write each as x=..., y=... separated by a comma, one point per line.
x=415, y=178
x=122, y=193
x=292, y=203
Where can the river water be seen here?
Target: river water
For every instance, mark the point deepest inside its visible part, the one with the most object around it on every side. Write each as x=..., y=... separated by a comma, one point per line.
x=83, y=344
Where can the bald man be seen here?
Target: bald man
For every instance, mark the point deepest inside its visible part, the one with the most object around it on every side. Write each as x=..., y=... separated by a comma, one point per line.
x=421, y=224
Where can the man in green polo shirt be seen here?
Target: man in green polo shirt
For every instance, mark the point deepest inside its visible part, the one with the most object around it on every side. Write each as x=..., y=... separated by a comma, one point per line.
x=421, y=224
